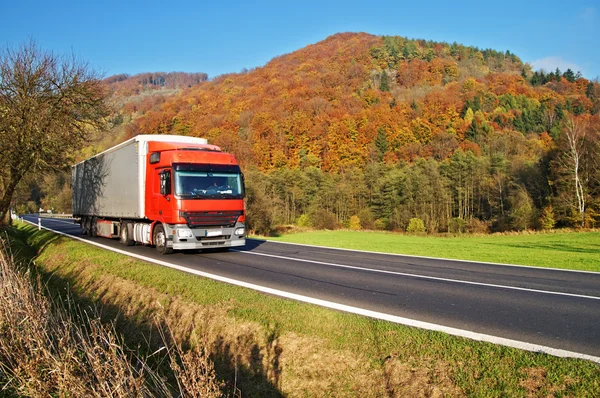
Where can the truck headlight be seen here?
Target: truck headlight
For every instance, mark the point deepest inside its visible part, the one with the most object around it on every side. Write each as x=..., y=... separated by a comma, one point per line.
x=240, y=231
x=184, y=233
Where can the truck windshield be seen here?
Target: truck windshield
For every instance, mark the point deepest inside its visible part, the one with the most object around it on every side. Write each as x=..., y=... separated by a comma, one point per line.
x=205, y=185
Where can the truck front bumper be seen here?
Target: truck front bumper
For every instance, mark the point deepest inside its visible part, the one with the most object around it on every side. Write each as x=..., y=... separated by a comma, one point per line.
x=181, y=237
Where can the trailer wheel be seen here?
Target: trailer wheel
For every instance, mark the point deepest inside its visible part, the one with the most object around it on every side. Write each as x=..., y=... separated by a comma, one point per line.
x=93, y=227
x=89, y=226
x=85, y=225
x=125, y=235
x=160, y=240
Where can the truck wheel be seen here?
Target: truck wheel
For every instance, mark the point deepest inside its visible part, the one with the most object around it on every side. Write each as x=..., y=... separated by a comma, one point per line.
x=160, y=240
x=93, y=227
x=124, y=237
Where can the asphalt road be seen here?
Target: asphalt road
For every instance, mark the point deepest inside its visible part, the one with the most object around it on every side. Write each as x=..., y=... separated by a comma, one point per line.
x=553, y=309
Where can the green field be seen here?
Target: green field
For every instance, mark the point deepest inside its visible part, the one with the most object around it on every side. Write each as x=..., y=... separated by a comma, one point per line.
x=277, y=347
x=566, y=250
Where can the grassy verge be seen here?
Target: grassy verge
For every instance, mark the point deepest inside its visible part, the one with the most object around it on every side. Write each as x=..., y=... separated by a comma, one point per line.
x=267, y=346
x=566, y=250
x=54, y=347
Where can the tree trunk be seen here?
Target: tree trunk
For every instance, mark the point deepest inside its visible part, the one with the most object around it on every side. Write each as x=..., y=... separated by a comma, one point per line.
x=5, y=202
x=575, y=134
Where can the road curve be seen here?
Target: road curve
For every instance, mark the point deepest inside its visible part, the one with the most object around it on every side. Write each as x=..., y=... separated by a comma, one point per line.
x=553, y=311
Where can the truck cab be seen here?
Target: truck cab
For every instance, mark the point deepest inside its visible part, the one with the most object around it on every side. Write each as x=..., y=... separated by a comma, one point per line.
x=197, y=193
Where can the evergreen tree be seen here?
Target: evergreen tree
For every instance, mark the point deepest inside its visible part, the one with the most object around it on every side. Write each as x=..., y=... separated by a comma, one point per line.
x=474, y=104
x=384, y=84
x=524, y=74
x=557, y=74
x=589, y=92
x=479, y=127
x=569, y=75
x=454, y=49
x=578, y=108
x=381, y=143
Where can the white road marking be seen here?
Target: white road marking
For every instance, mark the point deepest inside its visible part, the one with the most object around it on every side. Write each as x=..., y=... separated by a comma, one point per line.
x=353, y=310
x=422, y=276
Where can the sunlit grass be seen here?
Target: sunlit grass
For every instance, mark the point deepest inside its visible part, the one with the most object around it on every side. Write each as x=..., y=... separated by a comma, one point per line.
x=568, y=250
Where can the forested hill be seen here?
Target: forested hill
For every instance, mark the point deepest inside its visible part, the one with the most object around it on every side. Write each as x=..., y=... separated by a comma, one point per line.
x=452, y=135
x=126, y=85
x=328, y=103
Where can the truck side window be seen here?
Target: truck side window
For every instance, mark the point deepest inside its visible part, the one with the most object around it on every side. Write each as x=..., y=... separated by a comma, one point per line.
x=165, y=182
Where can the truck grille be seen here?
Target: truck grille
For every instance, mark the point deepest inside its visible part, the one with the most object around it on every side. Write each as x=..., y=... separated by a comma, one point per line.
x=197, y=219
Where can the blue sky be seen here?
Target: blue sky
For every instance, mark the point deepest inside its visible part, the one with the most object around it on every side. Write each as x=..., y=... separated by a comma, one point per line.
x=224, y=37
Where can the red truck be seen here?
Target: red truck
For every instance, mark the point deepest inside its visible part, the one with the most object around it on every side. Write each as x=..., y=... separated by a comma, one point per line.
x=173, y=192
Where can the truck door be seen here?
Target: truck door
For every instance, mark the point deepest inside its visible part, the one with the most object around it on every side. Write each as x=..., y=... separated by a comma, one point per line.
x=160, y=208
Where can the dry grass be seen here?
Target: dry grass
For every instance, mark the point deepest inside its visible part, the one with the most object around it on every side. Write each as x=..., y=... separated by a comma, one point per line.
x=192, y=368
x=51, y=348
x=405, y=380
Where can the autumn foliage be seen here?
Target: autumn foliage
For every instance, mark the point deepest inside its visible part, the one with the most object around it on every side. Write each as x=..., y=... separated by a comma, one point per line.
x=358, y=102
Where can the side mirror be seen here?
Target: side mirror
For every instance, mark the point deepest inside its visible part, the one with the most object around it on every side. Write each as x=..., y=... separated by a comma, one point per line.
x=165, y=182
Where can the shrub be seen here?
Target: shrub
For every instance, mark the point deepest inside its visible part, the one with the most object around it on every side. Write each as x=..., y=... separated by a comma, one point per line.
x=476, y=226
x=415, y=225
x=547, y=220
x=323, y=219
x=457, y=225
x=500, y=224
x=380, y=224
x=521, y=214
x=366, y=219
x=354, y=223
x=304, y=221
x=259, y=218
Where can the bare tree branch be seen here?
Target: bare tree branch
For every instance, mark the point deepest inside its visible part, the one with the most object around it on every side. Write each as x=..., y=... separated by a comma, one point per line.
x=48, y=106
